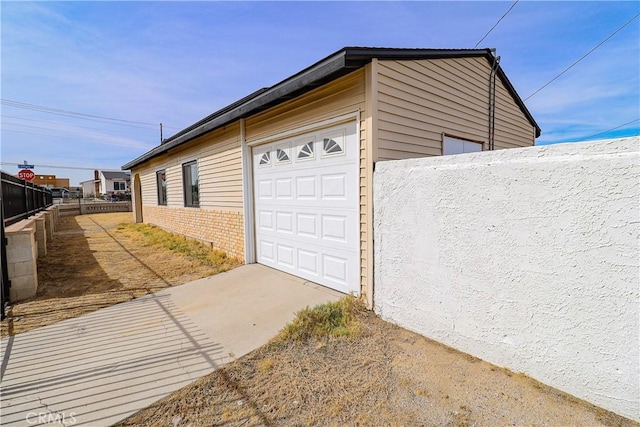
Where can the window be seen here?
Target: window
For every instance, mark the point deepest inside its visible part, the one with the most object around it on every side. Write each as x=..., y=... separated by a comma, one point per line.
x=161, y=182
x=458, y=146
x=119, y=186
x=265, y=159
x=282, y=155
x=331, y=146
x=306, y=151
x=190, y=183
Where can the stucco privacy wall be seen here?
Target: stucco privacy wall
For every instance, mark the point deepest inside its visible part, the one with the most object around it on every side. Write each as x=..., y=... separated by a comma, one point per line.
x=526, y=258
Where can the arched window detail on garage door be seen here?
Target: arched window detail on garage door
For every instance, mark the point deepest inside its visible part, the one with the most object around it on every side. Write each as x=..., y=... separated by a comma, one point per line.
x=330, y=146
x=306, y=151
x=265, y=159
x=282, y=155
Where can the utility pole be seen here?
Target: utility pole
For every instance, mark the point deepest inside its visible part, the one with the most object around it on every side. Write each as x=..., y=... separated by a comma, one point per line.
x=161, y=139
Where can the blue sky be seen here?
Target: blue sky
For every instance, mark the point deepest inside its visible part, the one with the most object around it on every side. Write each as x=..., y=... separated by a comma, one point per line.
x=176, y=62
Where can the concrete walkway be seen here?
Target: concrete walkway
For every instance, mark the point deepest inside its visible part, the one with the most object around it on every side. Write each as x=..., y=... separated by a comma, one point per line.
x=100, y=368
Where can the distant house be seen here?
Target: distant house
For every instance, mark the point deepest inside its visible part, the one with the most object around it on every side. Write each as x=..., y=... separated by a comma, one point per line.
x=89, y=188
x=106, y=184
x=51, y=181
x=284, y=176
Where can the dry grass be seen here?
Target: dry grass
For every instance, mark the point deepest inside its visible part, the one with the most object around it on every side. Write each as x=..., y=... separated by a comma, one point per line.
x=99, y=260
x=334, y=319
x=338, y=364
x=150, y=235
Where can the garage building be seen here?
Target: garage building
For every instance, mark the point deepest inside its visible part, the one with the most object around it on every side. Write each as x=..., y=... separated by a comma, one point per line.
x=283, y=177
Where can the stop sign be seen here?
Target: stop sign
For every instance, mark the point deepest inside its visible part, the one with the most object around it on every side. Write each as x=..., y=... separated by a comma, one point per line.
x=26, y=174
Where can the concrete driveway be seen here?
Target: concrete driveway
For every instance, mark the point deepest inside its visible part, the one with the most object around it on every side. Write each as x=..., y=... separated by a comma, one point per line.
x=100, y=368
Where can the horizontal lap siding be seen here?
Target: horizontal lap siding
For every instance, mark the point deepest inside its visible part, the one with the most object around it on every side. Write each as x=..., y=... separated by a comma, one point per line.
x=419, y=100
x=219, y=170
x=219, y=219
x=343, y=96
x=147, y=174
x=512, y=129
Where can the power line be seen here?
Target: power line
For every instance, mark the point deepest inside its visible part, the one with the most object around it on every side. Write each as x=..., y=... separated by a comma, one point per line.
x=63, y=167
x=496, y=24
x=87, y=139
x=583, y=56
x=41, y=108
x=60, y=127
x=609, y=130
x=68, y=134
x=76, y=115
x=27, y=119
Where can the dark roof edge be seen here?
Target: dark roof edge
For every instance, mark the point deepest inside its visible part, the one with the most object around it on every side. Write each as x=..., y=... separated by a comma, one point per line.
x=339, y=63
x=261, y=98
x=505, y=80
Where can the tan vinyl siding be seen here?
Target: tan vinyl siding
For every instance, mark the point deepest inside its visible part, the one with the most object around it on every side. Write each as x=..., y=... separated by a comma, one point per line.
x=173, y=170
x=148, y=180
x=342, y=96
x=511, y=126
x=219, y=170
x=368, y=154
x=420, y=100
x=219, y=218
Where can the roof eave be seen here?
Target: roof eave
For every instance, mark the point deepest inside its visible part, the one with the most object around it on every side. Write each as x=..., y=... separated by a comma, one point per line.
x=329, y=68
x=505, y=80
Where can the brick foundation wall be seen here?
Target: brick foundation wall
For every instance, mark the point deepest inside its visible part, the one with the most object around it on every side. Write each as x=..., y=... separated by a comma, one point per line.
x=224, y=230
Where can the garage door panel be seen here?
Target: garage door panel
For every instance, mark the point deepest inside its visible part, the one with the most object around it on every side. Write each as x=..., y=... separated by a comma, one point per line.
x=307, y=207
x=306, y=187
x=335, y=268
x=265, y=189
x=334, y=186
x=334, y=227
x=265, y=220
x=310, y=205
x=306, y=225
x=308, y=262
x=285, y=255
x=267, y=250
x=284, y=190
x=284, y=222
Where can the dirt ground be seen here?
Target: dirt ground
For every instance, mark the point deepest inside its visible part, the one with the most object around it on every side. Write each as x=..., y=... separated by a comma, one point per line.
x=382, y=375
x=92, y=263
x=385, y=376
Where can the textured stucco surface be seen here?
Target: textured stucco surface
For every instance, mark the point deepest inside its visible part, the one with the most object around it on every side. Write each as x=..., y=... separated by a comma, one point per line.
x=527, y=258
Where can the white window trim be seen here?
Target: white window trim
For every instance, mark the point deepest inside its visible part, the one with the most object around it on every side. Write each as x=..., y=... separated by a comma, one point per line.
x=184, y=193
x=465, y=141
x=311, y=127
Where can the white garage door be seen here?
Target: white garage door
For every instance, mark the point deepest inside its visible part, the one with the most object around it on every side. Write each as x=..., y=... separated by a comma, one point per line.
x=307, y=206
